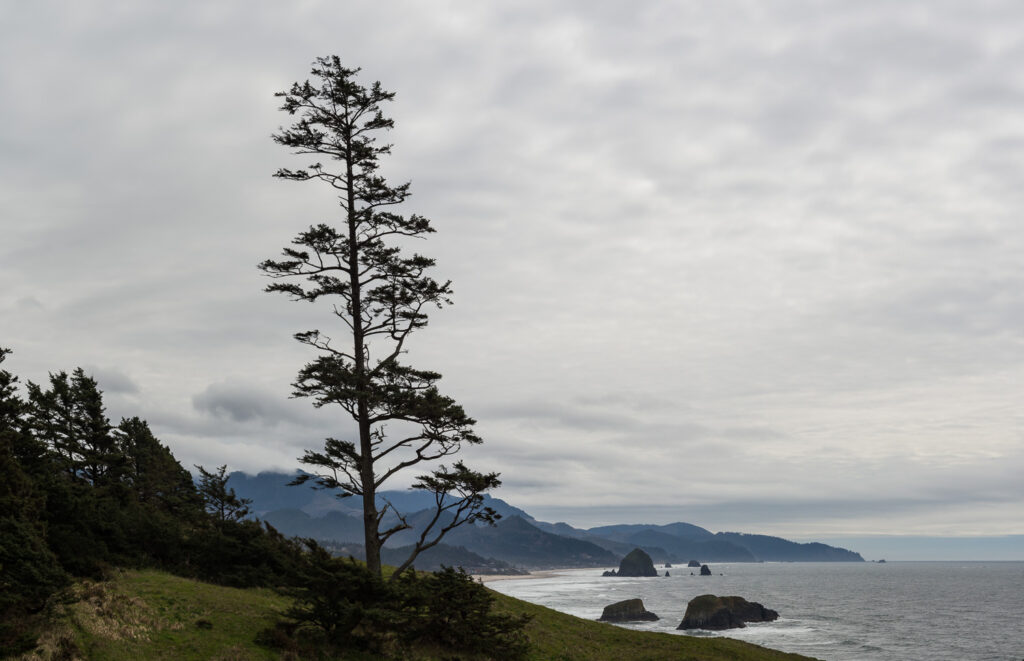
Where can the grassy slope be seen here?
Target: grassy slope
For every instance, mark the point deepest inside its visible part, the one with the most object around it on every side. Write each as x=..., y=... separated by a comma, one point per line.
x=152, y=615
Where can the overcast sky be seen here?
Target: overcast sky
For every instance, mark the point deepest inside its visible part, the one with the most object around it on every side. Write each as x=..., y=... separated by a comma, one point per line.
x=749, y=265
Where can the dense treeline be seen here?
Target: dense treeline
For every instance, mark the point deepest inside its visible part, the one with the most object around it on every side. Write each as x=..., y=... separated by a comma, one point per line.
x=79, y=496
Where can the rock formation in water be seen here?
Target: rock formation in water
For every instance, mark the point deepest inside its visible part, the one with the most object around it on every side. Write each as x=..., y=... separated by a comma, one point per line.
x=630, y=610
x=716, y=613
x=693, y=563
x=705, y=570
x=637, y=563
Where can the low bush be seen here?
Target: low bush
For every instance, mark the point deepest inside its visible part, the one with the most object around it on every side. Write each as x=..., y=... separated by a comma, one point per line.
x=339, y=603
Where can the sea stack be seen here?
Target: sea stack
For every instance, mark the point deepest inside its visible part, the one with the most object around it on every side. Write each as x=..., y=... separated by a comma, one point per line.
x=637, y=563
x=716, y=613
x=630, y=610
x=705, y=570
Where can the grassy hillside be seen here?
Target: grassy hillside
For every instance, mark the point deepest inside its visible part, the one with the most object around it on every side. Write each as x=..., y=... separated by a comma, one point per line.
x=152, y=615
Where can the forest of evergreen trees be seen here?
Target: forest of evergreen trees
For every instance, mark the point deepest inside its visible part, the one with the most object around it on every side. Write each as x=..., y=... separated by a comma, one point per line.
x=80, y=496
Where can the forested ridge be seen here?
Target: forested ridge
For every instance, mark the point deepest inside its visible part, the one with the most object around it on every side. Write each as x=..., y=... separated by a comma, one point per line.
x=82, y=496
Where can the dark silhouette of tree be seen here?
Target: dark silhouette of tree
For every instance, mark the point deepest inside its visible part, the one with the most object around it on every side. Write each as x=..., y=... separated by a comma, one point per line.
x=29, y=571
x=70, y=418
x=379, y=295
x=220, y=500
x=151, y=471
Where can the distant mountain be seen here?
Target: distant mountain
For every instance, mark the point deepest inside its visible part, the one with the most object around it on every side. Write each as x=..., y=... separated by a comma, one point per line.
x=678, y=542
x=333, y=526
x=776, y=549
x=518, y=539
x=446, y=555
x=686, y=530
x=432, y=559
x=621, y=531
x=269, y=492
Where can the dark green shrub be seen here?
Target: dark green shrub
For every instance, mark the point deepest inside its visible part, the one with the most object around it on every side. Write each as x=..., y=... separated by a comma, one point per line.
x=341, y=604
x=340, y=598
x=454, y=612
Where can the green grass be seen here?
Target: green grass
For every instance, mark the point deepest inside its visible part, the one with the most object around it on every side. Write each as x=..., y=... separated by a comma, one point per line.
x=143, y=615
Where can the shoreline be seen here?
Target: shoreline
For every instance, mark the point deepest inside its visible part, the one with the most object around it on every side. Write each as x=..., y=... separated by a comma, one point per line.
x=540, y=573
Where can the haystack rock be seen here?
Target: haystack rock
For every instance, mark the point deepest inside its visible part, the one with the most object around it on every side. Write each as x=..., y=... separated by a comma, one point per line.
x=637, y=563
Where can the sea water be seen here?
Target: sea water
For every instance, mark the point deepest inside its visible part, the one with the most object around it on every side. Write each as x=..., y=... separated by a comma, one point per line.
x=895, y=611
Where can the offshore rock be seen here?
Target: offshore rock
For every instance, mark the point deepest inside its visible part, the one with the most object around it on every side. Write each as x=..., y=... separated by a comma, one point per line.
x=630, y=610
x=637, y=563
x=716, y=613
x=705, y=570
x=693, y=563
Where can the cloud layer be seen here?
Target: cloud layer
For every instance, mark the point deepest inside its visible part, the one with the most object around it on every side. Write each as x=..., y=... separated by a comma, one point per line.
x=759, y=263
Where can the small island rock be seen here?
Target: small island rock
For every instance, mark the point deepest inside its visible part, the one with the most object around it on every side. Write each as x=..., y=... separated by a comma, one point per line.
x=637, y=563
x=693, y=563
x=716, y=613
x=630, y=610
x=705, y=570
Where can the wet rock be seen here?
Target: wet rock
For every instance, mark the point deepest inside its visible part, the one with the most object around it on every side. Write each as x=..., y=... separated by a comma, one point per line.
x=637, y=563
x=716, y=613
x=630, y=610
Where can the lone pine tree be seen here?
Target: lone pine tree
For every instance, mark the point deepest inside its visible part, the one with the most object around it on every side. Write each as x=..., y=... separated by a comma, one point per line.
x=379, y=296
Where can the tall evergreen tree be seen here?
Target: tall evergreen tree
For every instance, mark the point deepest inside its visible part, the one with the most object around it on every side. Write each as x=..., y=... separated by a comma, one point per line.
x=29, y=571
x=220, y=500
x=152, y=473
x=71, y=420
x=380, y=296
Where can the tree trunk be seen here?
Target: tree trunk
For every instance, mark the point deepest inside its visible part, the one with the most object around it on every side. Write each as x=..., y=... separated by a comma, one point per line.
x=371, y=537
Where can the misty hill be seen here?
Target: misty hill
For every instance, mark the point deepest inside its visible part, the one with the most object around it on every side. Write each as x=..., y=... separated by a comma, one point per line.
x=678, y=530
x=516, y=541
x=776, y=549
x=433, y=559
x=269, y=492
x=519, y=539
x=333, y=526
x=678, y=542
x=684, y=541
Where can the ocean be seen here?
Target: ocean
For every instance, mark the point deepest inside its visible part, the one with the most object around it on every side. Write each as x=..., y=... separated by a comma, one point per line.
x=894, y=611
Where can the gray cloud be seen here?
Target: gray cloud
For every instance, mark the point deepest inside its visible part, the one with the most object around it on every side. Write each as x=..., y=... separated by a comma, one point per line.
x=709, y=253
x=241, y=403
x=112, y=380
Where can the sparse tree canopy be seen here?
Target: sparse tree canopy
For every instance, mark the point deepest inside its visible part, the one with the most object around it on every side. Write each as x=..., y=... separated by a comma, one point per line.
x=379, y=295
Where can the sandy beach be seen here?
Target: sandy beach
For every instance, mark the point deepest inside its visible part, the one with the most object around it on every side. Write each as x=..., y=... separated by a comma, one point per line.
x=489, y=578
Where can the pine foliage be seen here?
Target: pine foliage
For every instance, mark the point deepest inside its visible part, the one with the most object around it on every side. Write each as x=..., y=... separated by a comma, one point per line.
x=378, y=294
